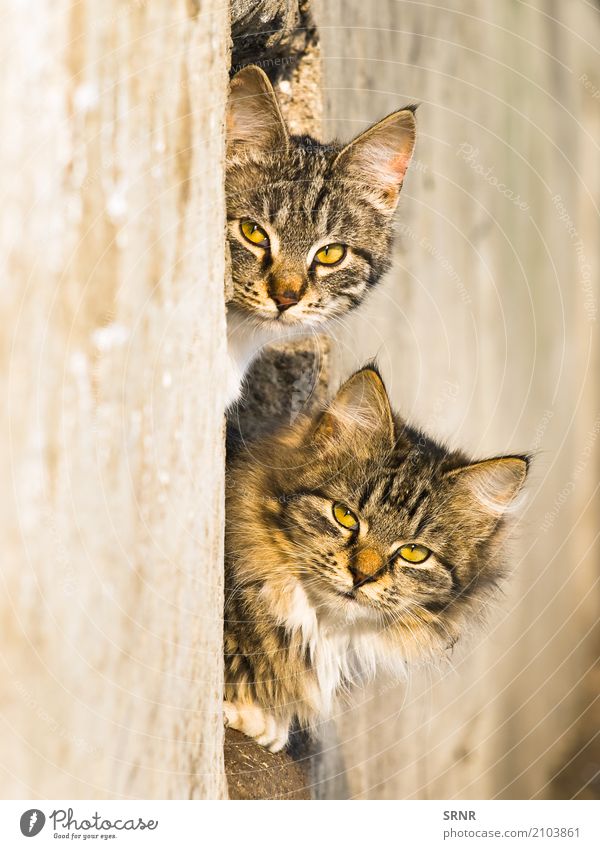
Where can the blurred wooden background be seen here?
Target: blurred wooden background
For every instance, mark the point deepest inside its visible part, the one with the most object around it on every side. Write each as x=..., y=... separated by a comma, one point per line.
x=487, y=333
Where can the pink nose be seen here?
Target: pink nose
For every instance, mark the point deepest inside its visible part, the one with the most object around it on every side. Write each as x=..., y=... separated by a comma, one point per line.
x=285, y=300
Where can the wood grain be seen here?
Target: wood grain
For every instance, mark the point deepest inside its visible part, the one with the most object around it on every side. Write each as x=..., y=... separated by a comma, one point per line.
x=112, y=424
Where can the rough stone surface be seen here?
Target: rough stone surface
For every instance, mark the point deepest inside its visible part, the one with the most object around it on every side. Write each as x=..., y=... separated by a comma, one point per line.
x=255, y=773
x=286, y=381
x=281, y=37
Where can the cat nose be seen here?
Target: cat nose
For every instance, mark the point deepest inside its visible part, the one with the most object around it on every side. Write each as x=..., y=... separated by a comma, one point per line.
x=366, y=566
x=285, y=300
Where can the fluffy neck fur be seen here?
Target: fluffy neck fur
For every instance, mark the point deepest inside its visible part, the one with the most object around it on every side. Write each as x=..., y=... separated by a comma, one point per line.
x=301, y=626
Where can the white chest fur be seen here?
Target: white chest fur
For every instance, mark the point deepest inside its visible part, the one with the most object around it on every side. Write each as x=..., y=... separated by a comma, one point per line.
x=247, y=337
x=342, y=653
x=342, y=660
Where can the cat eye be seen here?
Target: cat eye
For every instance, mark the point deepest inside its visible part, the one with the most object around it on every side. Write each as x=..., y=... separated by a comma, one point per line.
x=254, y=233
x=344, y=515
x=414, y=553
x=330, y=254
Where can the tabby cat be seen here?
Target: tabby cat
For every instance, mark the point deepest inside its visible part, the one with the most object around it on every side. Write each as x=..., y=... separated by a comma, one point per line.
x=309, y=225
x=354, y=544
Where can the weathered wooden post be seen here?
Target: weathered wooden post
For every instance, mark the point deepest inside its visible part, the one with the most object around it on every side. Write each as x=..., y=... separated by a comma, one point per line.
x=112, y=420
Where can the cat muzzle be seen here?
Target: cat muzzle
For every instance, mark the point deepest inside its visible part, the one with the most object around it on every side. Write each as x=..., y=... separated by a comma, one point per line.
x=367, y=566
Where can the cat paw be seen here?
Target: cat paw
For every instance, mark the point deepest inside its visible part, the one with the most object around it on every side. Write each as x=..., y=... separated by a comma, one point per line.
x=254, y=722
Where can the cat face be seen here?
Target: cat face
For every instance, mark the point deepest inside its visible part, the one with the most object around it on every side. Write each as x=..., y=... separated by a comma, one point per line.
x=309, y=225
x=377, y=521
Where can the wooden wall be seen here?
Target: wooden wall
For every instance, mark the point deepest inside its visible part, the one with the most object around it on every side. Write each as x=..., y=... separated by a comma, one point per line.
x=486, y=331
x=112, y=344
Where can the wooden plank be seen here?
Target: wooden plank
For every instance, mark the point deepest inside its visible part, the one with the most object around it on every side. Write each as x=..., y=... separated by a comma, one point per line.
x=111, y=358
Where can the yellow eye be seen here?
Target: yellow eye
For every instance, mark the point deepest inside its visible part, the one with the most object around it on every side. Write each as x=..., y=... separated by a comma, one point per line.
x=254, y=233
x=345, y=516
x=330, y=254
x=414, y=553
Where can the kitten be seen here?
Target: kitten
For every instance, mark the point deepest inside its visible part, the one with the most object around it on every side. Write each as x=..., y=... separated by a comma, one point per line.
x=354, y=543
x=309, y=225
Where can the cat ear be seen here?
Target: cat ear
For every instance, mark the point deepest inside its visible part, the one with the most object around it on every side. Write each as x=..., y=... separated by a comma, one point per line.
x=254, y=118
x=359, y=414
x=487, y=489
x=381, y=155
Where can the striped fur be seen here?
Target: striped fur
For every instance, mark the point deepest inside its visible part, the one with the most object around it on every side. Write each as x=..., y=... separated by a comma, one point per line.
x=299, y=631
x=305, y=195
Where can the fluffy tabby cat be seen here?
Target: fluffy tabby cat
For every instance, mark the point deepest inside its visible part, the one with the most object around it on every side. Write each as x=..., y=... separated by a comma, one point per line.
x=309, y=225
x=354, y=543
